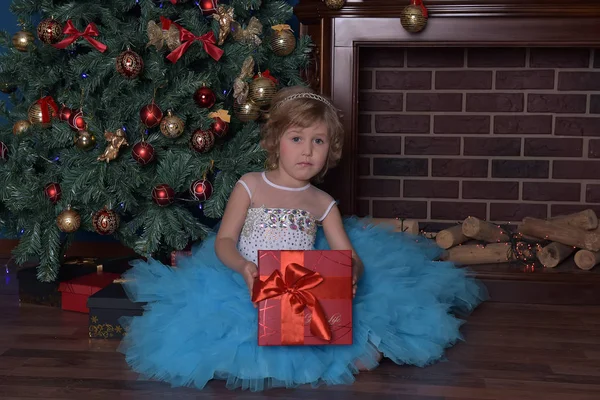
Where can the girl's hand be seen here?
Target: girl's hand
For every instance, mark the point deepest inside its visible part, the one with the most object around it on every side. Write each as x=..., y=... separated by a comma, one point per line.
x=250, y=273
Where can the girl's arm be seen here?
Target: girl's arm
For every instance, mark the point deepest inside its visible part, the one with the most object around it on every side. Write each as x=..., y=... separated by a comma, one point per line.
x=336, y=236
x=230, y=228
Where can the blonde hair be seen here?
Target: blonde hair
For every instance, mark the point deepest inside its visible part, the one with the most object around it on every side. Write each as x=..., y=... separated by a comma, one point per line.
x=301, y=106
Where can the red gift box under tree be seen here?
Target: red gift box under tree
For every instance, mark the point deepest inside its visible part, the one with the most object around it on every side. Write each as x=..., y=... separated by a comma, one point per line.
x=304, y=297
x=75, y=292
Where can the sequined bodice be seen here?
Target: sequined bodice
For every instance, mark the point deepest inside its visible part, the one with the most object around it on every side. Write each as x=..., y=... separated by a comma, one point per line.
x=276, y=229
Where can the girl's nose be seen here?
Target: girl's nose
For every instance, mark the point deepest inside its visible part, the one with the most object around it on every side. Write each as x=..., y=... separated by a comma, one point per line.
x=307, y=151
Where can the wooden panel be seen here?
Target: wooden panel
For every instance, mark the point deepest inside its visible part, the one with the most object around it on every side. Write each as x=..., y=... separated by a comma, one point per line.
x=312, y=9
x=471, y=31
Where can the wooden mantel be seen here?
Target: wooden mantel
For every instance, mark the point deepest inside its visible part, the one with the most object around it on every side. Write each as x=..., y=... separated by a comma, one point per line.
x=338, y=35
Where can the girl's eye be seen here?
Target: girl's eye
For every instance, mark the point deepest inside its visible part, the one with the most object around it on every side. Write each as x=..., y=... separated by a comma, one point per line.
x=296, y=139
x=319, y=141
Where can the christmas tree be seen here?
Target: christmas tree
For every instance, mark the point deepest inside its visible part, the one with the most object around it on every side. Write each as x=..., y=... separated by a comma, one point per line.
x=134, y=118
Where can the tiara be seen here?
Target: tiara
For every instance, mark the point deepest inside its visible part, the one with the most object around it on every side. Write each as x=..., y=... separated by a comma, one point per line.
x=304, y=95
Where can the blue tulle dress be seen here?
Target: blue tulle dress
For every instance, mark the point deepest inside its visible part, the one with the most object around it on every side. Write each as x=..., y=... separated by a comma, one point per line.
x=199, y=323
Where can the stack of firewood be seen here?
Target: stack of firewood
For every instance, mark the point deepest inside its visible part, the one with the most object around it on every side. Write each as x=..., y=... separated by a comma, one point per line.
x=550, y=241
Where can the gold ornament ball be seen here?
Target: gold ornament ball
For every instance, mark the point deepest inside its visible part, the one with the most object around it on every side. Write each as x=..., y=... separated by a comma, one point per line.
x=247, y=111
x=68, y=221
x=412, y=19
x=335, y=4
x=21, y=127
x=283, y=42
x=35, y=115
x=85, y=140
x=172, y=126
x=261, y=91
x=22, y=39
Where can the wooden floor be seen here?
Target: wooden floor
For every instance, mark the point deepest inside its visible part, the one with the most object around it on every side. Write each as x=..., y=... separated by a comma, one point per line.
x=512, y=352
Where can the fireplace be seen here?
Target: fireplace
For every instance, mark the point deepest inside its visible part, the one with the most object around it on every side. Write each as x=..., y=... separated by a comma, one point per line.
x=492, y=111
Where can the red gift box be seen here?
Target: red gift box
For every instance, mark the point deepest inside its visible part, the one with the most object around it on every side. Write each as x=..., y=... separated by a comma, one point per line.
x=304, y=297
x=75, y=292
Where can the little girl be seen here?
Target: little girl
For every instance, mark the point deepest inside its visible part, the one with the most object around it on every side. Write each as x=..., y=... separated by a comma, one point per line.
x=200, y=323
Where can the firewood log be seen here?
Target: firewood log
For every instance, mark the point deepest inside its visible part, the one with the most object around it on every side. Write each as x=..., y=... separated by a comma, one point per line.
x=586, y=259
x=585, y=219
x=482, y=230
x=470, y=254
x=562, y=233
x=450, y=237
x=554, y=253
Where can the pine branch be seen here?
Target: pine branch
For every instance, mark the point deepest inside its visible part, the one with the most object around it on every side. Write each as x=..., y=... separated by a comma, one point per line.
x=80, y=76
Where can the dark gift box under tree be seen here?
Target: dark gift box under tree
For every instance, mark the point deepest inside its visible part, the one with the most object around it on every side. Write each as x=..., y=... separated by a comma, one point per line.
x=33, y=291
x=106, y=307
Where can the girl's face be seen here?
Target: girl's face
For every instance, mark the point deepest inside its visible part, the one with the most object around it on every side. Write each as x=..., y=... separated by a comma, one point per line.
x=303, y=151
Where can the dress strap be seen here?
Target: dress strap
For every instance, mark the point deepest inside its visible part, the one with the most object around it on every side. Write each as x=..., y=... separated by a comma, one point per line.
x=245, y=185
x=333, y=203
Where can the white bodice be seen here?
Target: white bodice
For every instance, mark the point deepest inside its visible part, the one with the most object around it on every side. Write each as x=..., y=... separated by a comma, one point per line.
x=276, y=229
x=280, y=217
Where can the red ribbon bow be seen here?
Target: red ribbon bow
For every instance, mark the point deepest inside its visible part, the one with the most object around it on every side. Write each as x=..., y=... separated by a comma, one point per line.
x=73, y=34
x=187, y=38
x=419, y=3
x=294, y=289
x=44, y=103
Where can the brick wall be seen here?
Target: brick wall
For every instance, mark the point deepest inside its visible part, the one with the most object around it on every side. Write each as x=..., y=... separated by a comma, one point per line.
x=497, y=133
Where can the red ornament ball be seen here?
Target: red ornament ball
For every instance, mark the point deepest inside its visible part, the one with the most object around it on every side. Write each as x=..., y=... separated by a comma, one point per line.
x=202, y=140
x=129, y=64
x=163, y=194
x=143, y=153
x=50, y=31
x=53, y=192
x=3, y=152
x=205, y=97
x=106, y=221
x=208, y=7
x=219, y=128
x=201, y=189
x=65, y=113
x=76, y=120
x=151, y=115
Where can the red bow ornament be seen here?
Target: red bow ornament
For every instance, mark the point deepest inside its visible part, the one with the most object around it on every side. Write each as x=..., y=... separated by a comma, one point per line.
x=294, y=290
x=73, y=34
x=187, y=38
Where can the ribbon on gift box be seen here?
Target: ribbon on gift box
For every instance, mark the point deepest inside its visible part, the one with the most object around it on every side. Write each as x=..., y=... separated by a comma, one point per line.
x=73, y=34
x=299, y=288
x=187, y=38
